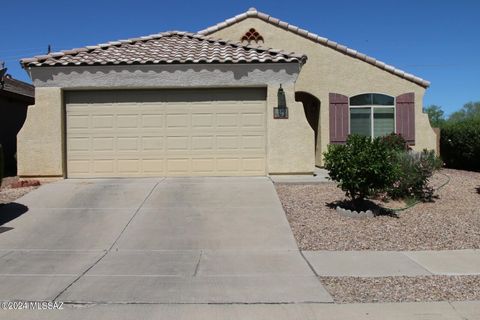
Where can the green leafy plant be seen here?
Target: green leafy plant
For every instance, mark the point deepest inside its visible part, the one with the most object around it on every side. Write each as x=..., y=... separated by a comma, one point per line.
x=460, y=144
x=414, y=169
x=362, y=167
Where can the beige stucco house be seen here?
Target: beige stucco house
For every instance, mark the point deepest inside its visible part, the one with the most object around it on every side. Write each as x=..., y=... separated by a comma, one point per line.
x=182, y=104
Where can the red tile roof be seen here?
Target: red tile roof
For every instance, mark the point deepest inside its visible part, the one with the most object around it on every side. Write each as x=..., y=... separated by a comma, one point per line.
x=164, y=48
x=252, y=12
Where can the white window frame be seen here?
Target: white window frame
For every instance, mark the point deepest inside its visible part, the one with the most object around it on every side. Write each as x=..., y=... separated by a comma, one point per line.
x=372, y=107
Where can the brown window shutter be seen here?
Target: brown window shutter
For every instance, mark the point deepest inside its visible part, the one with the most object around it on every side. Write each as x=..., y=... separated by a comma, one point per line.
x=338, y=109
x=405, y=116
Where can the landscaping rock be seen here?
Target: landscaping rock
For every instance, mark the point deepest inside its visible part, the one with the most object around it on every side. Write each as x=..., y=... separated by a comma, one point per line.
x=451, y=221
x=402, y=288
x=24, y=184
x=355, y=214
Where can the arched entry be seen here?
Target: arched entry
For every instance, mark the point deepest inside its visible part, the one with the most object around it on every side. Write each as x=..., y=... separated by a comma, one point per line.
x=311, y=106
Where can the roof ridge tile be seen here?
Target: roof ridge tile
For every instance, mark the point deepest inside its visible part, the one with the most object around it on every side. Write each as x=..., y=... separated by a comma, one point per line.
x=252, y=12
x=159, y=47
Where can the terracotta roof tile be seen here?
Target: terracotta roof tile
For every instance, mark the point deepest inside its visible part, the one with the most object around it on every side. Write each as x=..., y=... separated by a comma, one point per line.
x=167, y=47
x=252, y=12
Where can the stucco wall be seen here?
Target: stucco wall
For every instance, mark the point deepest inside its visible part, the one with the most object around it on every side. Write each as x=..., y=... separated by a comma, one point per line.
x=40, y=143
x=290, y=141
x=328, y=70
x=164, y=76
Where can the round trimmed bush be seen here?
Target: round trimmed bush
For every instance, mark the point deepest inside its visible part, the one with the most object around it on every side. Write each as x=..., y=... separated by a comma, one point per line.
x=362, y=167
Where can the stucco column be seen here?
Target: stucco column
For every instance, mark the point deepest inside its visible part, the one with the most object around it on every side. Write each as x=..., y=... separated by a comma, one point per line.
x=290, y=141
x=425, y=136
x=40, y=141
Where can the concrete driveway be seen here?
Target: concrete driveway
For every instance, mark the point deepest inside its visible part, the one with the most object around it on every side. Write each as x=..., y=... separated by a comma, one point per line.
x=174, y=240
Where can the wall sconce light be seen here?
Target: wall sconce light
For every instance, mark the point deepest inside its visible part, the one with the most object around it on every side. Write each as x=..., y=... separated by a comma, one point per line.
x=281, y=111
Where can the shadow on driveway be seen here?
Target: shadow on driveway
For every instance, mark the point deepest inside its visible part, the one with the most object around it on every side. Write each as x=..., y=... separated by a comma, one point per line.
x=10, y=211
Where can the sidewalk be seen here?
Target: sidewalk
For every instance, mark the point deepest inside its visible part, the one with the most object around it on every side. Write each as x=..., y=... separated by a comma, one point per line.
x=367, y=311
x=394, y=263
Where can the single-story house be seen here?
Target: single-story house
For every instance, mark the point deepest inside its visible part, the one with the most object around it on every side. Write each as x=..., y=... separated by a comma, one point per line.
x=219, y=102
x=15, y=97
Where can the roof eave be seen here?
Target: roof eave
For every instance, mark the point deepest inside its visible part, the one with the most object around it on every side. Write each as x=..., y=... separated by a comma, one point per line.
x=302, y=60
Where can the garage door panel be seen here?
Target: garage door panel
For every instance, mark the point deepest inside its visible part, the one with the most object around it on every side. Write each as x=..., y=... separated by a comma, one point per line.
x=230, y=165
x=152, y=120
x=128, y=165
x=175, y=143
x=253, y=164
x=253, y=120
x=227, y=120
x=253, y=142
x=127, y=144
x=153, y=166
x=153, y=143
x=79, y=121
x=127, y=121
x=202, y=120
x=102, y=121
x=79, y=144
x=178, y=166
x=178, y=120
x=203, y=165
x=203, y=143
x=80, y=167
x=103, y=143
x=106, y=166
x=165, y=138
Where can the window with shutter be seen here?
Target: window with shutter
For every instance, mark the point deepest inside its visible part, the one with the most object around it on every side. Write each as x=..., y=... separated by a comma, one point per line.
x=338, y=113
x=372, y=115
x=405, y=116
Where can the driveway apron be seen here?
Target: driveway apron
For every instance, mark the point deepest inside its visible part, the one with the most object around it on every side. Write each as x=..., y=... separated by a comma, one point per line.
x=165, y=240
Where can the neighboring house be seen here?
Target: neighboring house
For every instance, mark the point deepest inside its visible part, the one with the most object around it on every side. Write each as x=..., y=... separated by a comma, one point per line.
x=187, y=104
x=15, y=96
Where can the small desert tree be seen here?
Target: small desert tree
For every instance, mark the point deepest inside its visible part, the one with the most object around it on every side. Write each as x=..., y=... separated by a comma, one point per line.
x=362, y=167
x=435, y=115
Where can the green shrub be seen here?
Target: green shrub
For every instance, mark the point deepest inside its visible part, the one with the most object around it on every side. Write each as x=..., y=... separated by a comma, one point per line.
x=361, y=167
x=394, y=141
x=414, y=169
x=460, y=144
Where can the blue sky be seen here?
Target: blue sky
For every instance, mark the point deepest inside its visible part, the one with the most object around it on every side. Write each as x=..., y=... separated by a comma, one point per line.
x=438, y=40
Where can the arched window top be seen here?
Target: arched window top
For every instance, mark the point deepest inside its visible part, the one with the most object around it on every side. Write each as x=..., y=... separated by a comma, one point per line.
x=252, y=35
x=372, y=99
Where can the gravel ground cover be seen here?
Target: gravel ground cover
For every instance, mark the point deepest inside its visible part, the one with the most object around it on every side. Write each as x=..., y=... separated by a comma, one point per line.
x=8, y=194
x=452, y=221
x=403, y=289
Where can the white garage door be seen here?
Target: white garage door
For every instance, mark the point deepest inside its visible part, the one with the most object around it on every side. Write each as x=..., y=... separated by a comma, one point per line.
x=141, y=133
